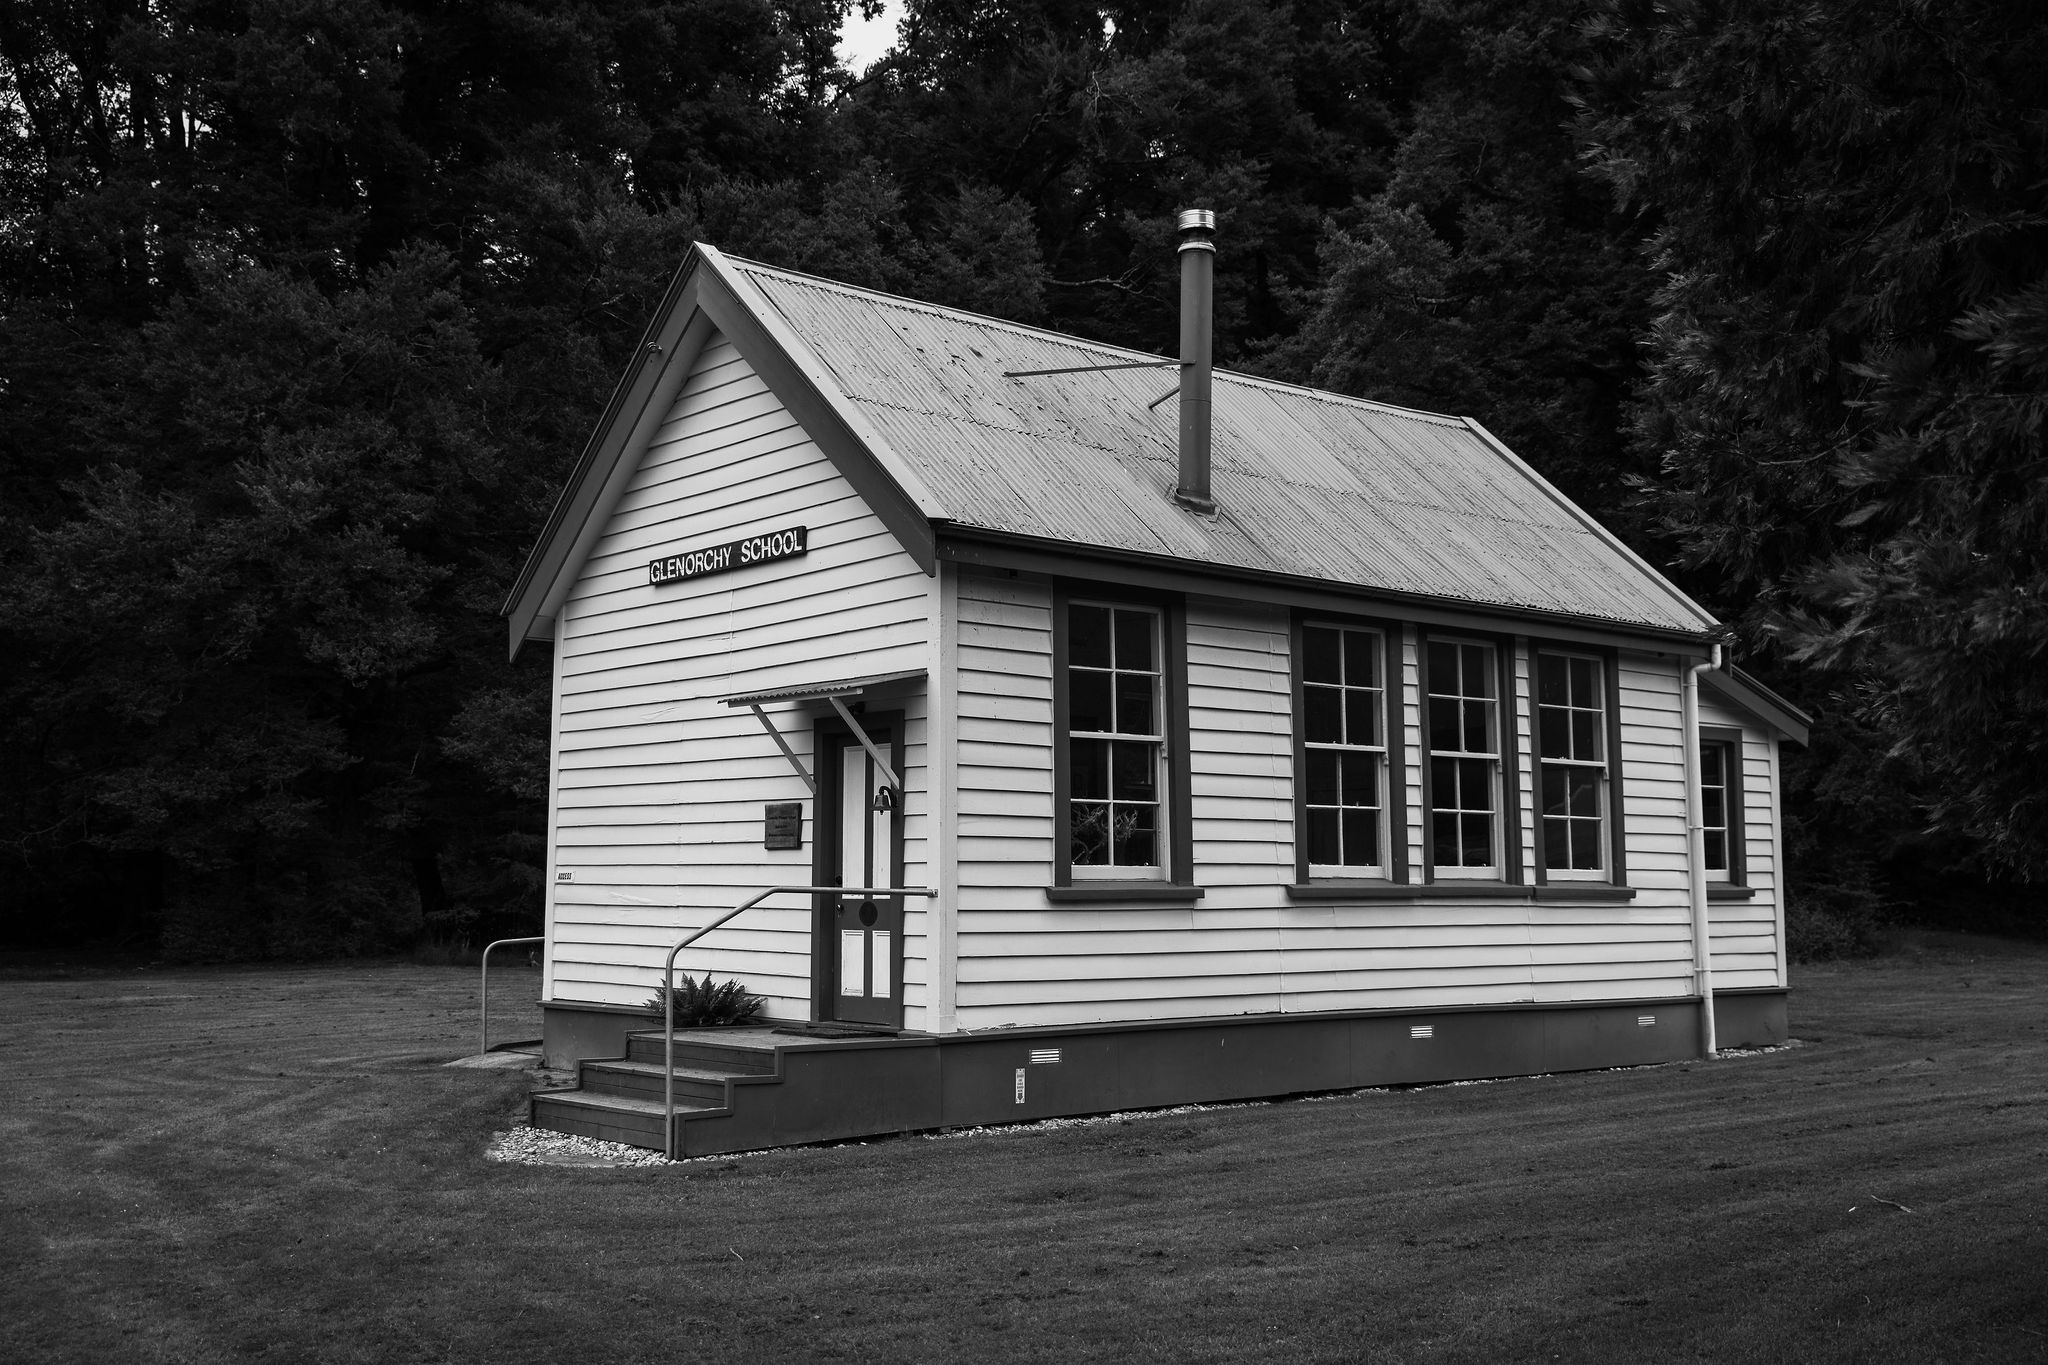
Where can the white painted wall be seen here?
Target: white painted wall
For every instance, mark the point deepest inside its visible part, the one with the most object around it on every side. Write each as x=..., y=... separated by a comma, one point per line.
x=1748, y=935
x=1245, y=947
x=659, y=788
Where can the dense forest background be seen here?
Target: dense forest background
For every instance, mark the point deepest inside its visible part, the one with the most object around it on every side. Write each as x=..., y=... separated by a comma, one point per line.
x=306, y=307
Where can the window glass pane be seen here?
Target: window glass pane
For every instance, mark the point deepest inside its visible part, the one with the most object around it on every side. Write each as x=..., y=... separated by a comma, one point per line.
x=1585, y=690
x=1361, y=838
x=1088, y=700
x=1322, y=717
x=1475, y=792
x=1717, y=850
x=1322, y=777
x=1710, y=765
x=1553, y=733
x=1322, y=837
x=1443, y=723
x=1585, y=794
x=1586, y=736
x=1555, y=791
x=1713, y=808
x=1585, y=845
x=1443, y=838
x=1134, y=711
x=1319, y=655
x=1361, y=716
x=1361, y=780
x=1088, y=636
x=1443, y=669
x=1557, y=843
x=1361, y=659
x=1477, y=833
x=1443, y=783
x=1088, y=769
x=1090, y=847
x=1133, y=639
x=1478, y=680
x=1134, y=837
x=1477, y=740
x=1134, y=772
x=1551, y=688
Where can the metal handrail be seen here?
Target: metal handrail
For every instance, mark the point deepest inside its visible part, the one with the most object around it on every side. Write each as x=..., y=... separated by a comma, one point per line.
x=483, y=1023
x=668, y=979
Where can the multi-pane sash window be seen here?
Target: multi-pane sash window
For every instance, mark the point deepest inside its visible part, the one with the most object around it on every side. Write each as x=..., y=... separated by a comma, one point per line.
x=1571, y=744
x=1344, y=749
x=1115, y=738
x=1462, y=722
x=1715, y=763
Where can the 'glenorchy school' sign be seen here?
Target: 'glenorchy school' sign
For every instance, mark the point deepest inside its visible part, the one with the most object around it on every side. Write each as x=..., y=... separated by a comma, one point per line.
x=738, y=554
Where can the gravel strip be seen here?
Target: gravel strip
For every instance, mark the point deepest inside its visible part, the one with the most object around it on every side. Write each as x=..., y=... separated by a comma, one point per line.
x=538, y=1147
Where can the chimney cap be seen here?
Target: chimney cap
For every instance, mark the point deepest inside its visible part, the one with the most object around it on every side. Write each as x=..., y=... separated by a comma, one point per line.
x=1201, y=220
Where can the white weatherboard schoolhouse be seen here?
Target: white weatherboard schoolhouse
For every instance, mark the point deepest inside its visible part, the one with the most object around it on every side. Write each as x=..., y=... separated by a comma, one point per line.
x=1264, y=742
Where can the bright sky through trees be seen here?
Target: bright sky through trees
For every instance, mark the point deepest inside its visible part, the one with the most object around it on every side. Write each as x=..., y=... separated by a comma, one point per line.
x=864, y=40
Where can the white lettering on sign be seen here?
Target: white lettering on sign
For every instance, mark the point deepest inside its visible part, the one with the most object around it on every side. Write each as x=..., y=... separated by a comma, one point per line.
x=787, y=543
x=1020, y=1085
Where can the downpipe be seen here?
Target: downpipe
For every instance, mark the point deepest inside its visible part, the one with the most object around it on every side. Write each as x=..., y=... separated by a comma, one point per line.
x=1696, y=851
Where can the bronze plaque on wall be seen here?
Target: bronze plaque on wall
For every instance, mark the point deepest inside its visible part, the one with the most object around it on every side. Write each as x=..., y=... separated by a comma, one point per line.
x=785, y=825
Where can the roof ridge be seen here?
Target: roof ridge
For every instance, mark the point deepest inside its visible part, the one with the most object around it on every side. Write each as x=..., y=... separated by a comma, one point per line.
x=1068, y=338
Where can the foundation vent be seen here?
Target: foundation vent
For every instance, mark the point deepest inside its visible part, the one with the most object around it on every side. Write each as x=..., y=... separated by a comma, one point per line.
x=1422, y=1031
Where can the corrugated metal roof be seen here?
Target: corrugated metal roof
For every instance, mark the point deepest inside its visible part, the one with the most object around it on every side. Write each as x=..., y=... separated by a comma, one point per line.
x=1308, y=484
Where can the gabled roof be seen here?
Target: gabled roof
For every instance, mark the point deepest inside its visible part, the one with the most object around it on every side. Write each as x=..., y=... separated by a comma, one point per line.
x=916, y=406
x=1760, y=701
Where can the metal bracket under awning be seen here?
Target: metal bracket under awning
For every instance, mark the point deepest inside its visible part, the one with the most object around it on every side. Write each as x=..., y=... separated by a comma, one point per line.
x=836, y=693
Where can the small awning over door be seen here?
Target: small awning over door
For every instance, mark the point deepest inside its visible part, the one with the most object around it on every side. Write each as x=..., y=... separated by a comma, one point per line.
x=838, y=693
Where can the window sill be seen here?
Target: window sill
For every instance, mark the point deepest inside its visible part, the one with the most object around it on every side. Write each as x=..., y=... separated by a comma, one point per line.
x=1584, y=891
x=1405, y=891
x=1440, y=891
x=1085, y=893
x=1730, y=893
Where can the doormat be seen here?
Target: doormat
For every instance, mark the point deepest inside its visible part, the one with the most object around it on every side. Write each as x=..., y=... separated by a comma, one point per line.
x=836, y=1030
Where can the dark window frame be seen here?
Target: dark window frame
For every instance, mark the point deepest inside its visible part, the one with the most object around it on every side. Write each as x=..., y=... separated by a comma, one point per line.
x=1617, y=832
x=1393, y=715
x=1178, y=822
x=1508, y=757
x=1730, y=740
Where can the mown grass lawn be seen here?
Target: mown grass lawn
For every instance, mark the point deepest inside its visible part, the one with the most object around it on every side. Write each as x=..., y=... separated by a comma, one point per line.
x=274, y=1165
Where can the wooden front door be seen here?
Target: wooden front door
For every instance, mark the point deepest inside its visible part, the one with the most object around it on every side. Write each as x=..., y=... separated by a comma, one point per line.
x=863, y=935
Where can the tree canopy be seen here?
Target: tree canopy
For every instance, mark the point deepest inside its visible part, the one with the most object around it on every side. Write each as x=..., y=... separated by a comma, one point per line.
x=305, y=310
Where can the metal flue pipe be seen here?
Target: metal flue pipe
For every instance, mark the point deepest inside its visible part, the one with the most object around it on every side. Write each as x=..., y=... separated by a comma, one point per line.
x=1197, y=354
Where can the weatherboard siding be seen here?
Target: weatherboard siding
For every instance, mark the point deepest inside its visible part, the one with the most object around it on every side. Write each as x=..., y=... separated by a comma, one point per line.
x=659, y=787
x=1244, y=947
x=1748, y=934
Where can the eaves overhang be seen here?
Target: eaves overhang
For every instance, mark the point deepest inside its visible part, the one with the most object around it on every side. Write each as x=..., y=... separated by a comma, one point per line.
x=1761, y=702
x=639, y=401
x=1056, y=558
x=707, y=295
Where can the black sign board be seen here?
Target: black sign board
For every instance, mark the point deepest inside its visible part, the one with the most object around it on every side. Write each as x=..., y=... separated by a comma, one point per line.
x=787, y=543
x=785, y=826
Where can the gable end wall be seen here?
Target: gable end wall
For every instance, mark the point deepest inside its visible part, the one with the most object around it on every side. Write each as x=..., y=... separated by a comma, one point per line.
x=659, y=786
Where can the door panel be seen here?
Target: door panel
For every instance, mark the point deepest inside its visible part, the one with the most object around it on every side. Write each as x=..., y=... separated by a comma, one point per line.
x=867, y=930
